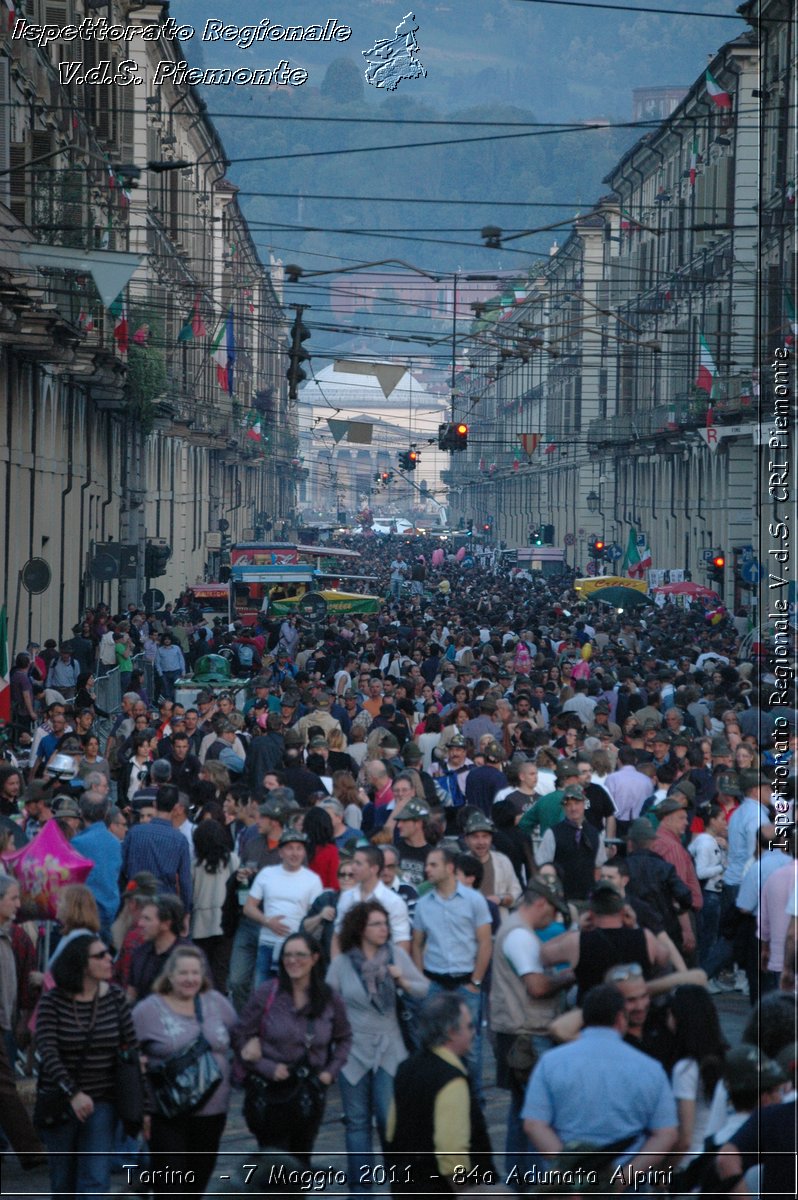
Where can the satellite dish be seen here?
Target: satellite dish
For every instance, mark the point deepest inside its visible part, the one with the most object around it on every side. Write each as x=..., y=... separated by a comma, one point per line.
x=313, y=605
x=104, y=567
x=36, y=576
x=153, y=600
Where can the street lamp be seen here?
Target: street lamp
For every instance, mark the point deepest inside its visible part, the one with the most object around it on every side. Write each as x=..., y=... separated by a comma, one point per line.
x=593, y=501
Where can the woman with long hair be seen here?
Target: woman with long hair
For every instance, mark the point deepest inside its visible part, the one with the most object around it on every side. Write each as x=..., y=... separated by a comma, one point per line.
x=11, y=787
x=347, y=793
x=213, y=866
x=182, y=1005
x=85, y=696
x=698, y=1053
x=294, y=1031
x=83, y=1023
x=368, y=974
x=323, y=856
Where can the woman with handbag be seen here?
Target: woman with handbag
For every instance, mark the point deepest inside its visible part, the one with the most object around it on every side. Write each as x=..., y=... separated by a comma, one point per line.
x=184, y=1028
x=292, y=1040
x=370, y=976
x=83, y=1030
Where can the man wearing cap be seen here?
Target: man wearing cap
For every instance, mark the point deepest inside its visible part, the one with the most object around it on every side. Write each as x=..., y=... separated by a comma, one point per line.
x=661, y=745
x=602, y=723
x=573, y=845
x=484, y=782
x=524, y=998
x=367, y=863
x=409, y=817
x=265, y=752
x=499, y=882
x=319, y=715
x=452, y=776
x=673, y=821
x=279, y=898
x=259, y=849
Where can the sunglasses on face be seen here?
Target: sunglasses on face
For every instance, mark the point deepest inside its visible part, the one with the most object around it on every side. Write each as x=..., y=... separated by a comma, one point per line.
x=102, y=954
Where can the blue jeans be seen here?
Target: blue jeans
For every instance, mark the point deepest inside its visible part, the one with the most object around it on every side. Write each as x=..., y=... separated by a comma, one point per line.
x=473, y=1002
x=364, y=1103
x=265, y=962
x=80, y=1154
x=242, y=962
x=518, y=1151
x=708, y=926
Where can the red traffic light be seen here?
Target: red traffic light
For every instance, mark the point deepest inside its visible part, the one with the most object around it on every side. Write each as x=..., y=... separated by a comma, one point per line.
x=413, y=456
x=719, y=562
x=462, y=429
x=599, y=545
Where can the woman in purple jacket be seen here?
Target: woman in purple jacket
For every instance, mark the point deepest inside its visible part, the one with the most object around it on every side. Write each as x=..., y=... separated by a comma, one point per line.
x=294, y=1033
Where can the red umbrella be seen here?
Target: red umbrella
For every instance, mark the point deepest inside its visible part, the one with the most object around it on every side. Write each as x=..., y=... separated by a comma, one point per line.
x=687, y=588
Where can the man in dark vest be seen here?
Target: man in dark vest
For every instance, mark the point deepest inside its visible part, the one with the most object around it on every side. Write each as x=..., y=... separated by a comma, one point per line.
x=573, y=845
x=436, y=1133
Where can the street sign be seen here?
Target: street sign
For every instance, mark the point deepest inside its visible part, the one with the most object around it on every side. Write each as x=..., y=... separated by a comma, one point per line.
x=569, y=540
x=752, y=571
x=707, y=555
x=614, y=552
x=641, y=539
x=590, y=569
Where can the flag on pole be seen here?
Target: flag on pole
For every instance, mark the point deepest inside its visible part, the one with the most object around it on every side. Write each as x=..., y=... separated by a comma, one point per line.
x=645, y=560
x=85, y=320
x=693, y=161
x=530, y=442
x=628, y=222
x=223, y=351
x=5, y=685
x=707, y=371
x=254, y=428
x=194, y=326
x=719, y=97
x=631, y=558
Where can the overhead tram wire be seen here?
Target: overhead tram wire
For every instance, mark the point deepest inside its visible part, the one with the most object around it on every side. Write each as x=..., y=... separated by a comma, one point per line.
x=632, y=8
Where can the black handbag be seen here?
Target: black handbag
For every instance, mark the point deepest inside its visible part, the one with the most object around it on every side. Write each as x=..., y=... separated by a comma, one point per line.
x=183, y=1083
x=277, y=1103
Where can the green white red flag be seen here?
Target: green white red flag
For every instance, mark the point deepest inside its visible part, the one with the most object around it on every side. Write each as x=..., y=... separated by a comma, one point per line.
x=718, y=95
x=707, y=371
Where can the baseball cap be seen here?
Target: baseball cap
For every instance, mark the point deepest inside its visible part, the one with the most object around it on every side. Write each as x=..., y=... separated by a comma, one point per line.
x=551, y=890
x=292, y=835
x=729, y=783
x=414, y=810
x=478, y=823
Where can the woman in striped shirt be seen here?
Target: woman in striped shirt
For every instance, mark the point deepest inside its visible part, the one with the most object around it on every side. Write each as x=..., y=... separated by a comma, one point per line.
x=82, y=1024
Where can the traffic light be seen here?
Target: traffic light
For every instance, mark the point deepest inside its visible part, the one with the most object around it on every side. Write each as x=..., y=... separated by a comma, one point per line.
x=536, y=537
x=717, y=566
x=297, y=354
x=156, y=559
x=547, y=534
x=470, y=526
x=487, y=526
x=597, y=548
x=408, y=460
x=453, y=436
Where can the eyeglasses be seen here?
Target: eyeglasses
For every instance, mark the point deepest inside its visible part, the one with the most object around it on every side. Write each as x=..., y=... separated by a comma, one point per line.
x=102, y=954
x=622, y=973
x=296, y=954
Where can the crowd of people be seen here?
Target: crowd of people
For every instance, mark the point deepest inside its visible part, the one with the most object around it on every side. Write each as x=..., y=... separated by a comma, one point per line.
x=492, y=821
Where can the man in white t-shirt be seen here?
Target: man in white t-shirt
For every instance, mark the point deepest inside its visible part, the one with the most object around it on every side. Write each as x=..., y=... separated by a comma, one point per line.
x=279, y=899
x=524, y=998
x=367, y=863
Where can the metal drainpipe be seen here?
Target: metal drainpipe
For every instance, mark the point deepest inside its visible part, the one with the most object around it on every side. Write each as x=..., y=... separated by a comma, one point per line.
x=109, y=452
x=11, y=363
x=673, y=489
x=64, y=493
x=82, y=542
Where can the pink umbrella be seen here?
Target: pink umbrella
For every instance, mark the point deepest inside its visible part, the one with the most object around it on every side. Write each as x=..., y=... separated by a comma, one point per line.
x=460, y=555
x=46, y=865
x=687, y=588
x=437, y=557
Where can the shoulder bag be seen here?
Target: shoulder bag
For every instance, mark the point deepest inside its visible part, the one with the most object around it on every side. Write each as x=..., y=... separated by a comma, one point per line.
x=271, y=1102
x=183, y=1083
x=53, y=1106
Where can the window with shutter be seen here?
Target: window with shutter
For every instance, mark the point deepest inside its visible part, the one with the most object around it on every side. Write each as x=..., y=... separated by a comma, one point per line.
x=17, y=156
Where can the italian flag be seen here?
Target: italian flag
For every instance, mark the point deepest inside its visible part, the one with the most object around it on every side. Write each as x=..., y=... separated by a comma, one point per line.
x=194, y=326
x=719, y=97
x=637, y=559
x=693, y=161
x=5, y=686
x=223, y=351
x=254, y=428
x=707, y=371
x=12, y=14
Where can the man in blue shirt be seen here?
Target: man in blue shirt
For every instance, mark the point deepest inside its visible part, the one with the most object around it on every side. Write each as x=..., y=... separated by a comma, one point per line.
x=97, y=843
x=600, y=1091
x=159, y=848
x=452, y=943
